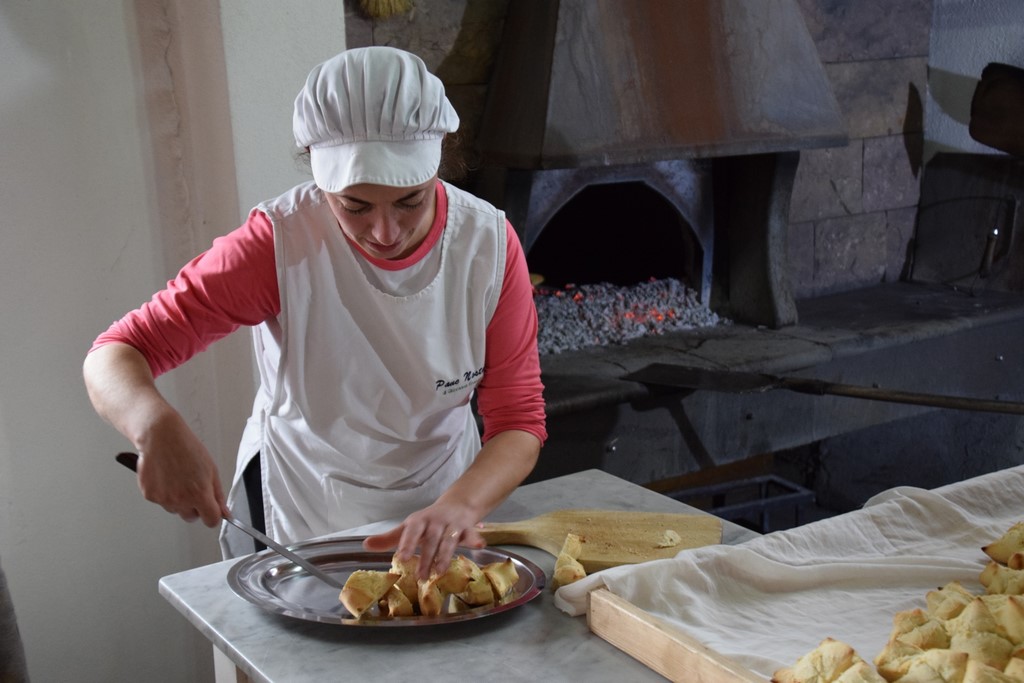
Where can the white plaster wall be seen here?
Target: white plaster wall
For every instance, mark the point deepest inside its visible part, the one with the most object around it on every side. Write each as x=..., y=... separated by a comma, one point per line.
x=105, y=189
x=267, y=65
x=81, y=554
x=965, y=36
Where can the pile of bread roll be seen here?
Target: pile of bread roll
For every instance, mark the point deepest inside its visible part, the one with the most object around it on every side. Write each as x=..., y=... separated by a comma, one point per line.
x=958, y=638
x=399, y=593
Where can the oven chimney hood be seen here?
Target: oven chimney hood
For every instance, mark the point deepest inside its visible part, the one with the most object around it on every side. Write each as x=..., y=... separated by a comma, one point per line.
x=582, y=83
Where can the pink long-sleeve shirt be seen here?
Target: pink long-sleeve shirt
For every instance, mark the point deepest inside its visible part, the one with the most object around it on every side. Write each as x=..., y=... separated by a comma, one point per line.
x=234, y=284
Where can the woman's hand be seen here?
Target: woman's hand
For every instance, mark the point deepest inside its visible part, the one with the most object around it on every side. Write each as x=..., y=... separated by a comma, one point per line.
x=177, y=473
x=434, y=532
x=175, y=470
x=499, y=467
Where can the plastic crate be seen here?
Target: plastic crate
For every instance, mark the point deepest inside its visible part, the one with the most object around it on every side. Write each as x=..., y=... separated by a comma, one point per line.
x=757, y=503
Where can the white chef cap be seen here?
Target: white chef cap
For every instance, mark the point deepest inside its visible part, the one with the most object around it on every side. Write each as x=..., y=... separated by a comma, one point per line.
x=372, y=115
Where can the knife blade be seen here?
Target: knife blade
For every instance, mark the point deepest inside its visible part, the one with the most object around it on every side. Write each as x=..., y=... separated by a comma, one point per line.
x=131, y=460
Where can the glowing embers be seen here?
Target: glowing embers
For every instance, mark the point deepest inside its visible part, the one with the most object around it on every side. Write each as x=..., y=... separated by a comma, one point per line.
x=576, y=317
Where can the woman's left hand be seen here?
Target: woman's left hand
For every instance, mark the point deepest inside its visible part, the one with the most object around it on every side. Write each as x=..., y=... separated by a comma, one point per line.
x=434, y=532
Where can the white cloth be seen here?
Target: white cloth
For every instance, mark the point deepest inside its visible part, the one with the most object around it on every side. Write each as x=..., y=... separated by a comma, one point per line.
x=363, y=411
x=768, y=601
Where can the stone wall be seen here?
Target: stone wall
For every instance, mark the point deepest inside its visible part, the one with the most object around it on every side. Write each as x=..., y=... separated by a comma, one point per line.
x=853, y=208
x=457, y=39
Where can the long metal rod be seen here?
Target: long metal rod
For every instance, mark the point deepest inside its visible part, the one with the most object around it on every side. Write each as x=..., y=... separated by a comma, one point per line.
x=685, y=377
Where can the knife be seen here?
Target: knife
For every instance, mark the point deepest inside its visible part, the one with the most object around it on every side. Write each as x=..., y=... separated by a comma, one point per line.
x=131, y=460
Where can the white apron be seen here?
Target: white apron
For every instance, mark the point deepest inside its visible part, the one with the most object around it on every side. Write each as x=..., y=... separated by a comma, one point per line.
x=363, y=411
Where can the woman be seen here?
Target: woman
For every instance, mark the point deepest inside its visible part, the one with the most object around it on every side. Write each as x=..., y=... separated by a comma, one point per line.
x=382, y=299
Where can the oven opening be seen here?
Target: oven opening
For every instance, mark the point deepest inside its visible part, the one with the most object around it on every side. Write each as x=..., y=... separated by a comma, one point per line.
x=616, y=233
x=615, y=262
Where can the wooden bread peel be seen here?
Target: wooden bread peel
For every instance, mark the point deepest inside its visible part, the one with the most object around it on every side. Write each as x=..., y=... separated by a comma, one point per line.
x=659, y=645
x=610, y=537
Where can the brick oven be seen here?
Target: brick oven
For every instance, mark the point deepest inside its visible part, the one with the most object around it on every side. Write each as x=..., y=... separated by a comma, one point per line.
x=702, y=140
x=644, y=136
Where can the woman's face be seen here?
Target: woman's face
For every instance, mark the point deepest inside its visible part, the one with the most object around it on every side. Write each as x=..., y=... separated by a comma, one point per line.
x=386, y=222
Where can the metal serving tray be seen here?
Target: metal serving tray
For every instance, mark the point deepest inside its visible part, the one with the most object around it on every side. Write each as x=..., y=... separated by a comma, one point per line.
x=270, y=581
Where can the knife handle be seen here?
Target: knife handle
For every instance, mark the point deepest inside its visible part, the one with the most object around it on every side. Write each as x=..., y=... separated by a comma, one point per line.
x=129, y=460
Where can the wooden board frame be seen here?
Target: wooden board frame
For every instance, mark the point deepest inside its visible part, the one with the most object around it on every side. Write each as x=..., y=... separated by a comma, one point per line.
x=659, y=645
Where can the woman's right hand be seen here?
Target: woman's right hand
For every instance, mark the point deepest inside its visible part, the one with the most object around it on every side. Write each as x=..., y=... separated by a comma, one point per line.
x=175, y=470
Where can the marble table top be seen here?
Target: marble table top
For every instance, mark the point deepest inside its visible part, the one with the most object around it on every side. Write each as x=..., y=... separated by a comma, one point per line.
x=536, y=641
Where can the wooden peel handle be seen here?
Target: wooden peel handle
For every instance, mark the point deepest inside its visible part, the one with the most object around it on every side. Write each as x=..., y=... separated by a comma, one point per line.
x=505, y=533
x=819, y=387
